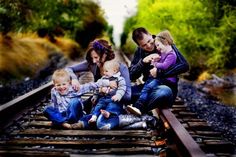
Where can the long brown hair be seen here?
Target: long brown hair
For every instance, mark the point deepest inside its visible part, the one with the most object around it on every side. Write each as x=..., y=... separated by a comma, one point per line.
x=101, y=47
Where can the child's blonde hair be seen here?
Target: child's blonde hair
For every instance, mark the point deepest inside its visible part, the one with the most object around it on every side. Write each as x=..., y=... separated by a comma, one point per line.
x=112, y=64
x=165, y=38
x=60, y=73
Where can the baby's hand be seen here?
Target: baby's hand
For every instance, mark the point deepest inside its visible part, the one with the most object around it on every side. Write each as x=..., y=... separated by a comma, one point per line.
x=114, y=98
x=94, y=99
x=155, y=57
x=75, y=84
x=103, y=89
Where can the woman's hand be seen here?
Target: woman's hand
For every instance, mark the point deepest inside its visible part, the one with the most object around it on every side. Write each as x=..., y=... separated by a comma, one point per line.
x=75, y=84
x=104, y=90
x=153, y=72
x=151, y=57
x=114, y=98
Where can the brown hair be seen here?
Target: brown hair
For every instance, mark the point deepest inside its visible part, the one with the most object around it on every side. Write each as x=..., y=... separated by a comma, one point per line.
x=138, y=34
x=101, y=47
x=165, y=38
x=60, y=73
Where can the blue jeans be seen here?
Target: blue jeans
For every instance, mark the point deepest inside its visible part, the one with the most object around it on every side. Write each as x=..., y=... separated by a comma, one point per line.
x=71, y=115
x=107, y=104
x=112, y=121
x=149, y=85
x=159, y=97
x=115, y=109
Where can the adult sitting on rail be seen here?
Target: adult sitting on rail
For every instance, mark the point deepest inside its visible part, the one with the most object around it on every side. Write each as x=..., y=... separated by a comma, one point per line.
x=163, y=95
x=98, y=52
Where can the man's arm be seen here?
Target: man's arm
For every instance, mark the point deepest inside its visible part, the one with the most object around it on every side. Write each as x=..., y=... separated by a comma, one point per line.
x=136, y=66
x=180, y=67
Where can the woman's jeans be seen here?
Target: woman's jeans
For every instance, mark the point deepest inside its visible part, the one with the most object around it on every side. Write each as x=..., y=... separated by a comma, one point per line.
x=160, y=97
x=71, y=115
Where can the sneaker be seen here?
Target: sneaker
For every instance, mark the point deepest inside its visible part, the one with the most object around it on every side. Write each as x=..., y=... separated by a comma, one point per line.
x=78, y=125
x=134, y=110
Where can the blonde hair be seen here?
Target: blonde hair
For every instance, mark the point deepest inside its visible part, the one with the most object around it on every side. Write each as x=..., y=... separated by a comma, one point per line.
x=60, y=73
x=112, y=64
x=165, y=38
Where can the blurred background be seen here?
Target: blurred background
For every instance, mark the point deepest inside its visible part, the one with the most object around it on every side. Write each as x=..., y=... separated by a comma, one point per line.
x=39, y=36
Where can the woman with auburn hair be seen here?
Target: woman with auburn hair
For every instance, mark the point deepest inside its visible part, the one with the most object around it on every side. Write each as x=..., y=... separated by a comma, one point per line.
x=99, y=51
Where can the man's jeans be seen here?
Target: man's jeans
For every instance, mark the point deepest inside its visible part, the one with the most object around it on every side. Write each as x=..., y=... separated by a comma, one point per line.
x=160, y=97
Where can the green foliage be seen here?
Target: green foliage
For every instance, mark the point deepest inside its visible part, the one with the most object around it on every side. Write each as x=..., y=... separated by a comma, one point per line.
x=77, y=18
x=204, y=31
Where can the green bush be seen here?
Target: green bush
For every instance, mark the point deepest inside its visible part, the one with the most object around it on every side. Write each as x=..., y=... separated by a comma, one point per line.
x=204, y=31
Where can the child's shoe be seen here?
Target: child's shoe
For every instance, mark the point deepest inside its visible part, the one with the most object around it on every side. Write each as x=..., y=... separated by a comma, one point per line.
x=78, y=125
x=66, y=125
x=134, y=110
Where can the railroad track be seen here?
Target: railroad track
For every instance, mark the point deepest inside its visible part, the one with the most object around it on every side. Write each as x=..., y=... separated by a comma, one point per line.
x=26, y=132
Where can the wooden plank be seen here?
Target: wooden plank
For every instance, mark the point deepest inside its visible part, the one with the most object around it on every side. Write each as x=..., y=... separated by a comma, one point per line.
x=35, y=118
x=64, y=151
x=32, y=153
x=85, y=133
x=209, y=133
x=190, y=114
x=199, y=126
x=193, y=120
x=38, y=124
x=188, y=144
x=218, y=146
x=98, y=143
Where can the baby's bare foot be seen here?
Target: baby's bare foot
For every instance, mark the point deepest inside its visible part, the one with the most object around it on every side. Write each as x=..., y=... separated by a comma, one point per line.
x=105, y=113
x=92, y=119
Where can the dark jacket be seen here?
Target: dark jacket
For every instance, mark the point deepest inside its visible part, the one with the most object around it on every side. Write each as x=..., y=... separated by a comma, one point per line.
x=138, y=67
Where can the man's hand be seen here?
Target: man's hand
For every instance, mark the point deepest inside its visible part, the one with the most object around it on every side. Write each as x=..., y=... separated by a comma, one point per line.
x=153, y=72
x=150, y=58
x=75, y=84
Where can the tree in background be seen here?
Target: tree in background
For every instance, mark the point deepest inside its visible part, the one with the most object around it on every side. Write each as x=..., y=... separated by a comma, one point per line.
x=79, y=19
x=203, y=30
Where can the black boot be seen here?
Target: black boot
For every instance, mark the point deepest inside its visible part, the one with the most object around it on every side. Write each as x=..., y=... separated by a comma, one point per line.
x=137, y=125
x=152, y=122
x=127, y=119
